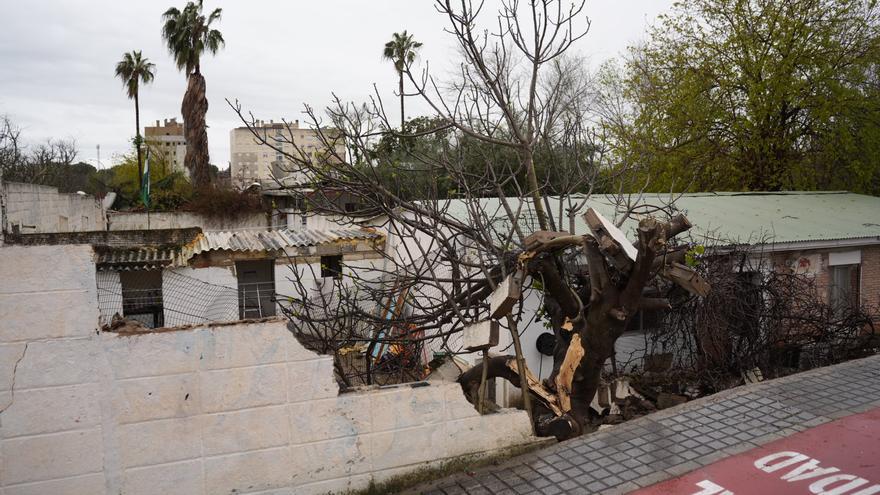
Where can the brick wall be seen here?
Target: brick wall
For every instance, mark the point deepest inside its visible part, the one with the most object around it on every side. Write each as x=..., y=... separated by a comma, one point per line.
x=870, y=285
x=227, y=409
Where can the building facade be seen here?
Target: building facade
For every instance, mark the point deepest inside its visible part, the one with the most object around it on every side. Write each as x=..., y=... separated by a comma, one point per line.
x=168, y=139
x=251, y=161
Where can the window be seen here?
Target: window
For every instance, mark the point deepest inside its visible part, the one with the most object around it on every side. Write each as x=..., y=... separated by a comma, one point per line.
x=142, y=296
x=350, y=207
x=256, y=288
x=331, y=267
x=843, y=287
x=844, y=275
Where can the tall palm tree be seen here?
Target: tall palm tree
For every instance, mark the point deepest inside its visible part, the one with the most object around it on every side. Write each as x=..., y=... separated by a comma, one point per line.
x=134, y=69
x=402, y=51
x=188, y=34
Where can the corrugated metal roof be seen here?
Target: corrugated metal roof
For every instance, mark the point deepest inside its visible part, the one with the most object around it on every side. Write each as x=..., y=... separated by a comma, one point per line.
x=144, y=258
x=782, y=217
x=274, y=240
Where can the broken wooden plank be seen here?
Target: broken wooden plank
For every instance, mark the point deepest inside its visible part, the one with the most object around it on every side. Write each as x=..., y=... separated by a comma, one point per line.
x=506, y=295
x=564, y=378
x=612, y=242
x=687, y=278
x=481, y=335
x=535, y=386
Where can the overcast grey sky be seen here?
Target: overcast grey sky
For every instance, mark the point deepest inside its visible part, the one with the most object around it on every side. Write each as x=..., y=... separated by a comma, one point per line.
x=57, y=60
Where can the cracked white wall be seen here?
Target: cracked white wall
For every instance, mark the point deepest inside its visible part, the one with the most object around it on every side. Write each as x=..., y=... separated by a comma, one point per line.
x=204, y=410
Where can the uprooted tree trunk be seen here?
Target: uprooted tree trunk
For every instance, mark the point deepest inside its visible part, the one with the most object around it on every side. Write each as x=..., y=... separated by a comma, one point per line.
x=588, y=319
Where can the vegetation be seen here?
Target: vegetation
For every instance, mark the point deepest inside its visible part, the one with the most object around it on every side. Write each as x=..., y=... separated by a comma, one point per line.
x=189, y=34
x=134, y=69
x=169, y=189
x=401, y=50
x=52, y=163
x=752, y=95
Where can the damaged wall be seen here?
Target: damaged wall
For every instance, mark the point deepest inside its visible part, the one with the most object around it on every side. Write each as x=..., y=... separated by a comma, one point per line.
x=228, y=409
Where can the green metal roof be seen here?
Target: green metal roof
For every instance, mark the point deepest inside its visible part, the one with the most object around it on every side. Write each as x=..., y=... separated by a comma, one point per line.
x=732, y=217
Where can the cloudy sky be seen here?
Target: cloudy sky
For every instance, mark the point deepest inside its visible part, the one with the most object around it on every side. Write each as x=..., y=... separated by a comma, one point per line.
x=57, y=60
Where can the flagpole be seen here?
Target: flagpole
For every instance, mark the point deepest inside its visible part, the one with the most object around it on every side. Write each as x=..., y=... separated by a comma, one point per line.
x=145, y=187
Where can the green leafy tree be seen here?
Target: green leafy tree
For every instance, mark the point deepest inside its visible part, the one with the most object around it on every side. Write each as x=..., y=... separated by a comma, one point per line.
x=169, y=189
x=754, y=95
x=189, y=34
x=133, y=70
x=401, y=50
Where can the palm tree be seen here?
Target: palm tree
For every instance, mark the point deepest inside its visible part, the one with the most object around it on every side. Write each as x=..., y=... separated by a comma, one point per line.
x=188, y=34
x=402, y=51
x=134, y=69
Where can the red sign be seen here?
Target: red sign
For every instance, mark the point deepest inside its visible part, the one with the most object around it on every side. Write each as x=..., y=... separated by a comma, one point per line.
x=837, y=458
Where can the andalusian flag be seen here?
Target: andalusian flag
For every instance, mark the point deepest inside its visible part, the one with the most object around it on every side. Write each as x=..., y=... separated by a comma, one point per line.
x=145, y=181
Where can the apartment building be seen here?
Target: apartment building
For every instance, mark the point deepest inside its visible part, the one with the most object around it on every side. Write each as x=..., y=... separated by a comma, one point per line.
x=168, y=139
x=252, y=161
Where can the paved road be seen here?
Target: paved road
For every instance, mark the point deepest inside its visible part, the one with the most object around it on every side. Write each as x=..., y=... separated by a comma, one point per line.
x=691, y=443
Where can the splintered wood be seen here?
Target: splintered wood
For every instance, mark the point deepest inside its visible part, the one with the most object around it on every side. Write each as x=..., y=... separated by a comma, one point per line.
x=687, y=278
x=537, y=388
x=564, y=378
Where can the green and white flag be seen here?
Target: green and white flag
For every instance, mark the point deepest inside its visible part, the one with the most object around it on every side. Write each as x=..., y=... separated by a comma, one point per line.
x=145, y=181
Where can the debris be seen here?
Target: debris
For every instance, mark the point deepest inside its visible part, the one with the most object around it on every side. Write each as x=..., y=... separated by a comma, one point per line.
x=612, y=242
x=687, y=278
x=753, y=375
x=573, y=357
x=481, y=335
x=549, y=399
x=506, y=295
x=357, y=348
x=122, y=325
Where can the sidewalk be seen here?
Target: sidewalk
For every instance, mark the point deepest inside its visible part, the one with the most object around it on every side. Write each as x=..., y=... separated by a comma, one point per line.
x=690, y=437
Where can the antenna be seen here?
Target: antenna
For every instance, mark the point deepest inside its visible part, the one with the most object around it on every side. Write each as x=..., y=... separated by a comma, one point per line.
x=99, y=156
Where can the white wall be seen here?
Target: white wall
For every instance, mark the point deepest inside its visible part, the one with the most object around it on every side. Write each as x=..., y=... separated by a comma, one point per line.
x=119, y=220
x=224, y=409
x=42, y=209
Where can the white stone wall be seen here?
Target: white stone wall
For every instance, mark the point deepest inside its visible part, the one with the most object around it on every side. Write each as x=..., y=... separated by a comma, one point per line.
x=42, y=209
x=120, y=220
x=225, y=409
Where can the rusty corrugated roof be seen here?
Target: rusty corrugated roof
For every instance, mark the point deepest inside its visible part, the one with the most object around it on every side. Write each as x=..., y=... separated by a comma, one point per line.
x=274, y=240
x=144, y=258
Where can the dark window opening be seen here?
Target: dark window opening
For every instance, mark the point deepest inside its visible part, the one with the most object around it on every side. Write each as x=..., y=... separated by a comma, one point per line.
x=256, y=288
x=350, y=207
x=843, y=290
x=142, y=297
x=331, y=267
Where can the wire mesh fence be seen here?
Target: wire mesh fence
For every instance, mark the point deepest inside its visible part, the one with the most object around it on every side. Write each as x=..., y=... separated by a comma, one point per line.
x=165, y=298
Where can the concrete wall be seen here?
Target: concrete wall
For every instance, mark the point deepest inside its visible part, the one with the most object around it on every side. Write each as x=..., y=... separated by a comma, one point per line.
x=35, y=208
x=207, y=410
x=124, y=220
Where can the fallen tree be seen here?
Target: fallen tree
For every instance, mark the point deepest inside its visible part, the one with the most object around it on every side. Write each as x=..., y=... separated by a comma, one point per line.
x=511, y=163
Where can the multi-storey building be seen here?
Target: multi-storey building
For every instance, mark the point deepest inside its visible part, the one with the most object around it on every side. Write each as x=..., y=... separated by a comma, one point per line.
x=168, y=139
x=252, y=161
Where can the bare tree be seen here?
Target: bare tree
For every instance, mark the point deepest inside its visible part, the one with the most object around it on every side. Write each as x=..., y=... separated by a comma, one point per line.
x=516, y=95
x=45, y=163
